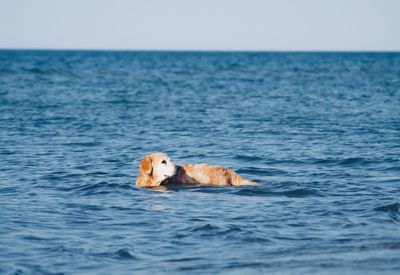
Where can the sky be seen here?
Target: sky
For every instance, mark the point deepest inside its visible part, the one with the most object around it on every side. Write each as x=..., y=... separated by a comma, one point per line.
x=254, y=25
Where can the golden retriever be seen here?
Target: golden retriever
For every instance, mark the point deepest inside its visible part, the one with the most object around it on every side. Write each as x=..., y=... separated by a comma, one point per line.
x=157, y=169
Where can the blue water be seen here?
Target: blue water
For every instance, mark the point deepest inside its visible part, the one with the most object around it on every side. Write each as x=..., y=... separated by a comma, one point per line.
x=320, y=132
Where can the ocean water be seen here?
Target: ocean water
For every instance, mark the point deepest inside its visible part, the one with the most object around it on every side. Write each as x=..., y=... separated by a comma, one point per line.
x=320, y=132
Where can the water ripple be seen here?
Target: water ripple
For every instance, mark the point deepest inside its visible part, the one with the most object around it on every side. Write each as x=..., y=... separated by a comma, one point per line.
x=318, y=131
x=393, y=207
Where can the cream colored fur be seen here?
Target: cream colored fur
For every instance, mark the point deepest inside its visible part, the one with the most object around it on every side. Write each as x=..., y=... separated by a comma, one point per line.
x=157, y=169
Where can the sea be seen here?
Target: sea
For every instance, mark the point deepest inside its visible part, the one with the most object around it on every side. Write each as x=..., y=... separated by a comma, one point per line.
x=319, y=132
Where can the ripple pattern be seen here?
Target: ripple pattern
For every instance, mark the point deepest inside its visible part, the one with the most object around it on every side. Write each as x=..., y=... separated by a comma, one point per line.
x=320, y=132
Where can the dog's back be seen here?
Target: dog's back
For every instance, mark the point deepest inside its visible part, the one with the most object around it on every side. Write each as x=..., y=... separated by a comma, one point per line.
x=203, y=174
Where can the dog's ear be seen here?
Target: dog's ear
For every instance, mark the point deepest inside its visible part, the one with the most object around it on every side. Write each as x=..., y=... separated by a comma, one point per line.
x=146, y=165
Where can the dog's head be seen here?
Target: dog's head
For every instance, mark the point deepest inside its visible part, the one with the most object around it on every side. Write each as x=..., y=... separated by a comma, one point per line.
x=154, y=169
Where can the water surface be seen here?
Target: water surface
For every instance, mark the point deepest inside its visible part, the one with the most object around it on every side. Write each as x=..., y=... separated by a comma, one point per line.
x=320, y=132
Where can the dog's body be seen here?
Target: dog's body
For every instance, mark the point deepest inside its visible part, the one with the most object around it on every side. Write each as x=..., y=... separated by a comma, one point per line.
x=157, y=169
x=203, y=174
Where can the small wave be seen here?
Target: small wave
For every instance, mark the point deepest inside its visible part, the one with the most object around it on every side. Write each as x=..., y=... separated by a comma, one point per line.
x=259, y=171
x=392, y=169
x=119, y=101
x=188, y=259
x=351, y=161
x=36, y=71
x=191, y=268
x=392, y=245
x=231, y=230
x=4, y=71
x=103, y=187
x=297, y=193
x=323, y=161
x=34, y=238
x=301, y=193
x=7, y=152
x=83, y=144
x=60, y=175
x=394, y=207
x=204, y=189
x=125, y=254
x=256, y=240
x=48, y=71
x=253, y=192
x=342, y=161
x=241, y=265
x=206, y=227
x=247, y=158
x=96, y=173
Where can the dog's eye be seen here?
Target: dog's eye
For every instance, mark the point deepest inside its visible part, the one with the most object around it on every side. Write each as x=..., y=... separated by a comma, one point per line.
x=164, y=162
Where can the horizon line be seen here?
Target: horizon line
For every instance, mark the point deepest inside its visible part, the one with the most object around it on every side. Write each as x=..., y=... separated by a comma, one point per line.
x=201, y=50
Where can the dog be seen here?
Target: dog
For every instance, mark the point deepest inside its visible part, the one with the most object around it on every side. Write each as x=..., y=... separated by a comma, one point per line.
x=157, y=169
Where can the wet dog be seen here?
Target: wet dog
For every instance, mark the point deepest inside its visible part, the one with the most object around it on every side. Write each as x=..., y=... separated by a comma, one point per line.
x=157, y=169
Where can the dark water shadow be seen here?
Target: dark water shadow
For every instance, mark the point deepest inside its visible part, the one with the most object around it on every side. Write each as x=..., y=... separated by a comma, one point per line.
x=257, y=191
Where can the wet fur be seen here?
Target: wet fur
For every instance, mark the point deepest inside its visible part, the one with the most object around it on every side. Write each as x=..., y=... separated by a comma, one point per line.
x=190, y=174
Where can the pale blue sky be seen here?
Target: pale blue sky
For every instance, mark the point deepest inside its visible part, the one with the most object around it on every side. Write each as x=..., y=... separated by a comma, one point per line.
x=201, y=25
